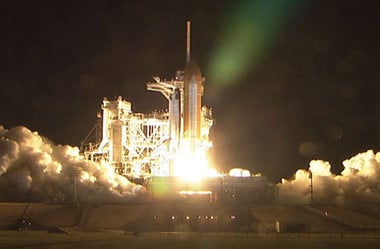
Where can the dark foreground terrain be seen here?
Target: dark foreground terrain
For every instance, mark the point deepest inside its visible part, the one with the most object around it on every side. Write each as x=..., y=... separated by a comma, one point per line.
x=118, y=239
x=185, y=217
x=184, y=225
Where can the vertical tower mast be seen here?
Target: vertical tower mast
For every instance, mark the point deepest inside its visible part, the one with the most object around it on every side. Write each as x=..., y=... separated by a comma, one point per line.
x=188, y=42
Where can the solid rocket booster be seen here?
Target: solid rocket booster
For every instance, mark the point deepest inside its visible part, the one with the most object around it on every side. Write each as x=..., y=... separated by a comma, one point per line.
x=193, y=91
x=174, y=118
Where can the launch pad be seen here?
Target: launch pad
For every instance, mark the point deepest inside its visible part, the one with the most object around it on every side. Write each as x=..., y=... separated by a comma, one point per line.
x=171, y=143
x=167, y=151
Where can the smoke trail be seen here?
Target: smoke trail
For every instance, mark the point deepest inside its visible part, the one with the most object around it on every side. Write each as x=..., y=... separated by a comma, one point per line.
x=357, y=187
x=33, y=169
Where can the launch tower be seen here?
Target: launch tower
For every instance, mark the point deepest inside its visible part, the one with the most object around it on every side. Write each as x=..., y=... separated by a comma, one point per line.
x=168, y=143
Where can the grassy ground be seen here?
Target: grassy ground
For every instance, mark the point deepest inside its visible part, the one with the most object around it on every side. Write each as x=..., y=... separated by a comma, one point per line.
x=93, y=240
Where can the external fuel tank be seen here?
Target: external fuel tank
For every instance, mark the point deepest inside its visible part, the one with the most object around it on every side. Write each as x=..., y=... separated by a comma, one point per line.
x=193, y=91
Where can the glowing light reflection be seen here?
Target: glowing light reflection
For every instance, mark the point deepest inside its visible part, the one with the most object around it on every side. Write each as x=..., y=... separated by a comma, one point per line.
x=193, y=165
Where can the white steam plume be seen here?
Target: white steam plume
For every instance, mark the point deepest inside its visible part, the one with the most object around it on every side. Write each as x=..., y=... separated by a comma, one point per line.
x=357, y=187
x=33, y=169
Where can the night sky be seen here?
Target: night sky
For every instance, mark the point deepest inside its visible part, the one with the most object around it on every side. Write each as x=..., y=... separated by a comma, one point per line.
x=305, y=85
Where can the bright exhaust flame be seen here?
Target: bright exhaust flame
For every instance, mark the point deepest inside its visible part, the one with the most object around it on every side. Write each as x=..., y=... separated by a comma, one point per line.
x=192, y=166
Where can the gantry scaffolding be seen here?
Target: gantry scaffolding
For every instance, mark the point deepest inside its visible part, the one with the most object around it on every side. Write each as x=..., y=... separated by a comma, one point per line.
x=148, y=145
x=138, y=145
x=133, y=143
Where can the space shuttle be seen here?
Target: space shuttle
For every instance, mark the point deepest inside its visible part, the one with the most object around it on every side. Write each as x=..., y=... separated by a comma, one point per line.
x=193, y=91
x=189, y=122
x=167, y=143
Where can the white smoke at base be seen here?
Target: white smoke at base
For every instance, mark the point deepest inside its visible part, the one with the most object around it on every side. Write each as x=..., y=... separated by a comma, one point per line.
x=34, y=169
x=357, y=187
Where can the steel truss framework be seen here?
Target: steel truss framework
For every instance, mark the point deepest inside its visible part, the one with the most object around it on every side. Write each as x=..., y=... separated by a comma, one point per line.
x=141, y=145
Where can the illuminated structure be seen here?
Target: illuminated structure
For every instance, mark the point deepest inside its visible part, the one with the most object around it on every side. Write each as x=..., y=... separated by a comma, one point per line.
x=170, y=143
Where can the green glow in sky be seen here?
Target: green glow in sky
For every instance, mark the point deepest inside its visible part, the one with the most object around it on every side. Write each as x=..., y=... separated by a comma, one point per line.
x=250, y=28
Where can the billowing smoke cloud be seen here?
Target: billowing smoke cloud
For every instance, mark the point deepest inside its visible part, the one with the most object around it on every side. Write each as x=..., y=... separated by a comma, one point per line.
x=357, y=187
x=34, y=169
